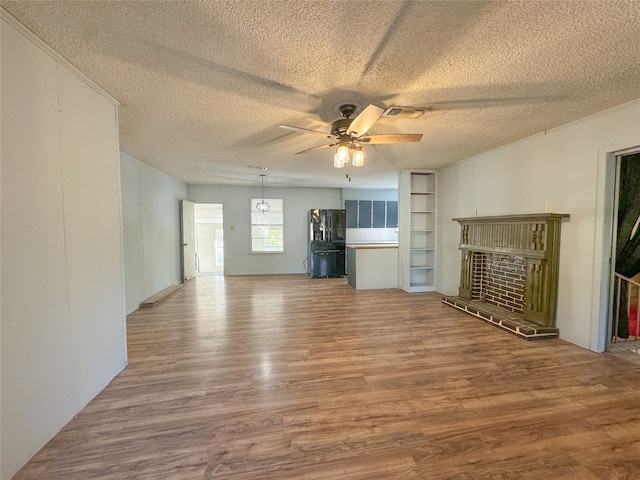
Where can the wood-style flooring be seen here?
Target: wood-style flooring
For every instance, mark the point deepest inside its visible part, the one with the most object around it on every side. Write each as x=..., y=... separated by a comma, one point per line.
x=284, y=377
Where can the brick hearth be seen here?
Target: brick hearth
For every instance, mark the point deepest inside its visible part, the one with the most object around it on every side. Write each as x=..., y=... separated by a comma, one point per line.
x=501, y=318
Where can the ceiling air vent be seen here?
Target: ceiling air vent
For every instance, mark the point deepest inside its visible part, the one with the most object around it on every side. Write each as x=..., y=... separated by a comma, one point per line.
x=404, y=112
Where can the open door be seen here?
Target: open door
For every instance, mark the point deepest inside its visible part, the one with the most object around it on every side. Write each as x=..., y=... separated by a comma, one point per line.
x=625, y=321
x=209, y=221
x=188, y=236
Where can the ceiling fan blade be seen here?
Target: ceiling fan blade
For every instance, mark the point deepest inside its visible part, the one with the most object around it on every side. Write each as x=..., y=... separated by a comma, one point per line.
x=317, y=148
x=393, y=138
x=365, y=119
x=306, y=130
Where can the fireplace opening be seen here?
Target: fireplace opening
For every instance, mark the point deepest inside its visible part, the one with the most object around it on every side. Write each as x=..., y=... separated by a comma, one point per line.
x=500, y=280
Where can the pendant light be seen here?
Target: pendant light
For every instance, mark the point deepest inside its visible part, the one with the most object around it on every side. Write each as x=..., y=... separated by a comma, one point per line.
x=262, y=206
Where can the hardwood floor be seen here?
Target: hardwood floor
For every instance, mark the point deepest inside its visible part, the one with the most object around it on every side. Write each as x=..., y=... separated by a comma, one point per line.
x=284, y=377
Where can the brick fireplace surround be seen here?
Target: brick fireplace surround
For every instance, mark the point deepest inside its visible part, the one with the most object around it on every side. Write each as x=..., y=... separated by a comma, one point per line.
x=509, y=273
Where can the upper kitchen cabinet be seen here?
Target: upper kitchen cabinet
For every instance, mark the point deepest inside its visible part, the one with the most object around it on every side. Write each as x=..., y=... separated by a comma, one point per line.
x=371, y=213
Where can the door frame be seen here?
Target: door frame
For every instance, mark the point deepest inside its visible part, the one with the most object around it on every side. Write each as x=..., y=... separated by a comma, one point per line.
x=614, y=239
x=223, y=228
x=603, y=262
x=187, y=240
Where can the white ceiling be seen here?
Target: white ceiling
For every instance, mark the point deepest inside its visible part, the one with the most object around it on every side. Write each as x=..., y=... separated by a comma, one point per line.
x=204, y=84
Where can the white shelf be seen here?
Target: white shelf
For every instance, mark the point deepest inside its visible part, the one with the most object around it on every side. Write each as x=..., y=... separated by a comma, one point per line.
x=421, y=258
x=423, y=221
x=422, y=182
x=417, y=210
x=421, y=277
x=422, y=239
x=423, y=202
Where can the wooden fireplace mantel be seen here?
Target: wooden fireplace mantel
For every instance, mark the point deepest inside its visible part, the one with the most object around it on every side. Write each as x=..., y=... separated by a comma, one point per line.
x=534, y=234
x=520, y=217
x=536, y=237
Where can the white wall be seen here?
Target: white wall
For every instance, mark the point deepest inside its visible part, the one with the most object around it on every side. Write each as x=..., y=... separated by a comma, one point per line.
x=567, y=168
x=151, y=229
x=237, y=225
x=62, y=319
x=371, y=235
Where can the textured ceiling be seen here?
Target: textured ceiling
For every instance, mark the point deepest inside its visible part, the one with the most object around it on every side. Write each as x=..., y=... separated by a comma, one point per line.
x=204, y=84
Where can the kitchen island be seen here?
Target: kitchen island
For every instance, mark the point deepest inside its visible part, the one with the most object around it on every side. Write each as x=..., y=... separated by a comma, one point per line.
x=372, y=266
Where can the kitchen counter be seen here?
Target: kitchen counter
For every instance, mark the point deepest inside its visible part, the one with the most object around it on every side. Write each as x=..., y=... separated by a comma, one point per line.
x=372, y=266
x=373, y=245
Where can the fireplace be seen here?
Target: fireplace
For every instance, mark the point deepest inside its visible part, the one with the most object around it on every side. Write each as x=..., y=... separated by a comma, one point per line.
x=509, y=272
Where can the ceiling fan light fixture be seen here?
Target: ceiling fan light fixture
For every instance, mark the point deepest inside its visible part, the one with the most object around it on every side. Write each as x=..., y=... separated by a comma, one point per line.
x=358, y=156
x=350, y=132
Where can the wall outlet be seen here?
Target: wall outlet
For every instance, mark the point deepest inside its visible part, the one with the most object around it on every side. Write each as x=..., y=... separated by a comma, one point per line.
x=547, y=208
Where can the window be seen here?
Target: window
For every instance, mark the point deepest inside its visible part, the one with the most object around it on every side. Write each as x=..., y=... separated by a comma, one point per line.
x=267, y=231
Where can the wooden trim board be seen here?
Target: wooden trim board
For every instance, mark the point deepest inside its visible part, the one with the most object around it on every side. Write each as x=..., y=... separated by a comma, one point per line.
x=160, y=296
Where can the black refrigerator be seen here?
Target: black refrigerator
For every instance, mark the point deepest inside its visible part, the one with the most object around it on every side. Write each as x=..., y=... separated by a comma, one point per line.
x=327, y=233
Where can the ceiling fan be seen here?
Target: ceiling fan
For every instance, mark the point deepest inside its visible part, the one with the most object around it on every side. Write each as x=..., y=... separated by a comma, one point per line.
x=349, y=134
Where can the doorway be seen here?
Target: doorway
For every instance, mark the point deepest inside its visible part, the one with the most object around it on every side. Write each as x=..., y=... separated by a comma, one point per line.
x=624, y=321
x=209, y=238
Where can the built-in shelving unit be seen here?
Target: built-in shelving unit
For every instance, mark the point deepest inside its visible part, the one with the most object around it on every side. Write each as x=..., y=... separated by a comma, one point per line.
x=416, y=238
